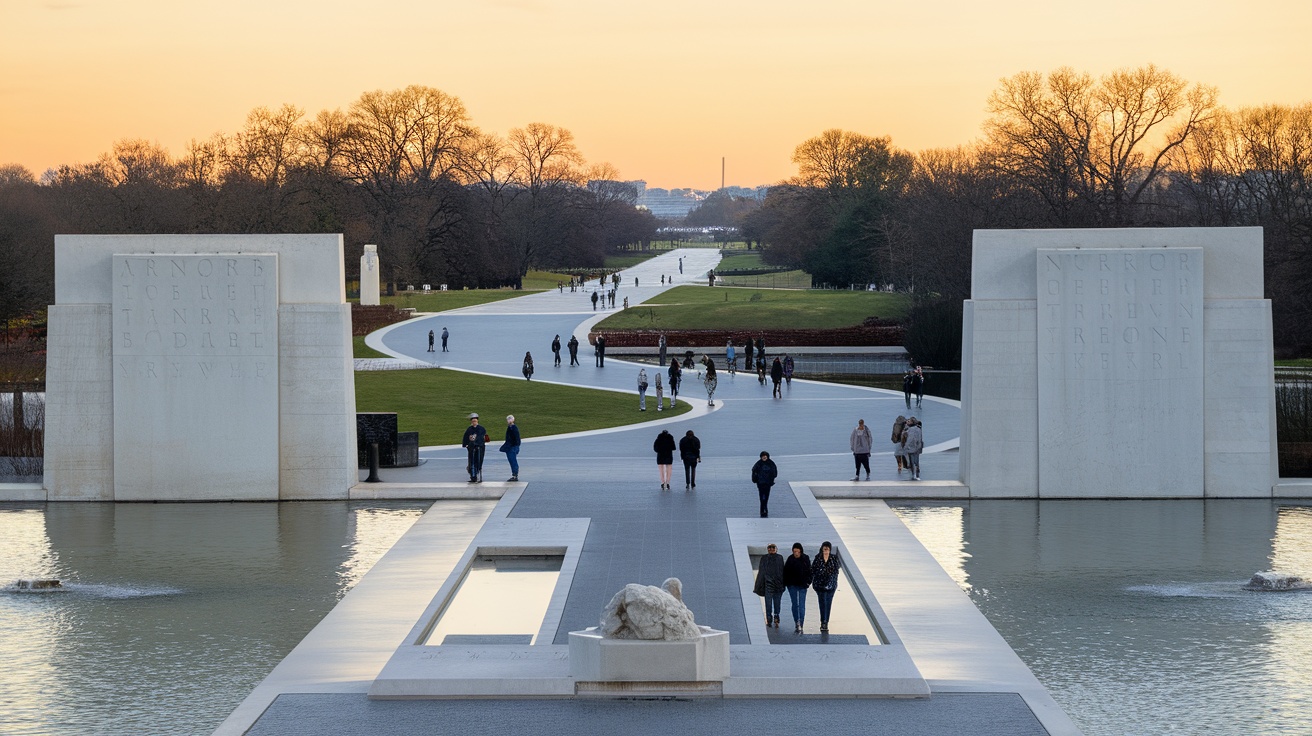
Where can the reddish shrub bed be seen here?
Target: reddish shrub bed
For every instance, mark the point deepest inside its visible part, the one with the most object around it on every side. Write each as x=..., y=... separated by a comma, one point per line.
x=367, y=319
x=867, y=335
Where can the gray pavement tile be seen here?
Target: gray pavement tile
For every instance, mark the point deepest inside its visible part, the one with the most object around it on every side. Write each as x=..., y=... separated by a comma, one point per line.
x=978, y=714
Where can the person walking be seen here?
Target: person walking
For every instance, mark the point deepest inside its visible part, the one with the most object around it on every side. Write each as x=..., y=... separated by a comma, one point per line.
x=594, y=300
x=861, y=443
x=760, y=368
x=797, y=578
x=680, y=265
x=748, y=365
x=660, y=392
x=430, y=341
x=475, y=443
x=601, y=351
x=635, y=282
x=555, y=349
x=913, y=443
x=676, y=377
x=908, y=386
x=664, y=449
x=511, y=447
x=824, y=581
x=770, y=583
x=764, y=473
x=573, y=346
x=730, y=357
x=642, y=389
x=690, y=451
x=445, y=335
x=710, y=380
x=918, y=383
x=788, y=369
x=899, y=426
x=660, y=347
x=760, y=347
x=777, y=377
x=528, y=367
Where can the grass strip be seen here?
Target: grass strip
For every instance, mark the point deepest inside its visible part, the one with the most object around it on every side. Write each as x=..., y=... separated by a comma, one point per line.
x=435, y=402
x=700, y=307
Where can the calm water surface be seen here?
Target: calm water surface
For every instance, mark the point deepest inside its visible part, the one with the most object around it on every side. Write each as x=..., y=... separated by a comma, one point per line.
x=1132, y=613
x=172, y=612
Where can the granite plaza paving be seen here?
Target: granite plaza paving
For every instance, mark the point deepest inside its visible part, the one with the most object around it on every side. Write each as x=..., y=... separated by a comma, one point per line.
x=597, y=495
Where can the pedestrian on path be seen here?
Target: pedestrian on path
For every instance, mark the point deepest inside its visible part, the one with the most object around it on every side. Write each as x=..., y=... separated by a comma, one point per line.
x=770, y=583
x=430, y=341
x=528, y=366
x=824, y=581
x=748, y=365
x=760, y=368
x=899, y=426
x=777, y=377
x=690, y=451
x=445, y=335
x=664, y=448
x=635, y=282
x=511, y=447
x=710, y=380
x=680, y=265
x=918, y=383
x=475, y=443
x=797, y=578
x=600, y=350
x=764, y=473
x=730, y=357
x=908, y=387
x=676, y=377
x=642, y=389
x=573, y=346
x=913, y=443
x=594, y=300
x=555, y=349
x=660, y=346
x=788, y=369
x=861, y=443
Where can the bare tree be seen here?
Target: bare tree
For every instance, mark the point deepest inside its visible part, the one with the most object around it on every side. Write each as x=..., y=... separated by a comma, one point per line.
x=1092, y=148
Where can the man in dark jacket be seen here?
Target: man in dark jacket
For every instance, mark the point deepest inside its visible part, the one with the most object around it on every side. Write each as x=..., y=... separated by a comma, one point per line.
x=555, y=348
x=475, y=443
x=601, y=351
x=770, y=583
x=690, y=451
x=763, y=474
x=573, y=346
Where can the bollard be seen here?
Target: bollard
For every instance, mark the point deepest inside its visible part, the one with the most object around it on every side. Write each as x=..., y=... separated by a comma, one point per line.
x=373, y=464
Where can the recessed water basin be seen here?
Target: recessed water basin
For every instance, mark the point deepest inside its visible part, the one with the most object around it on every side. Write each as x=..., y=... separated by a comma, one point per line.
x=501, y=599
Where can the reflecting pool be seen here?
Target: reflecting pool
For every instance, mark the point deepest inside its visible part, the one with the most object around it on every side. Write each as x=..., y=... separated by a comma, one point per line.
x=171, y=613
x=1132, y=612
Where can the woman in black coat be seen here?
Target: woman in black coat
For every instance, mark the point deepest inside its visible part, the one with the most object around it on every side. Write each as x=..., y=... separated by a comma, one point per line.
x=690, y=450
x=664, y=447
x=797, y=577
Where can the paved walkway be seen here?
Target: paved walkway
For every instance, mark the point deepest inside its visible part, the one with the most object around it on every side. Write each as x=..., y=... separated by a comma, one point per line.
x=601, y=487
x=806, y=432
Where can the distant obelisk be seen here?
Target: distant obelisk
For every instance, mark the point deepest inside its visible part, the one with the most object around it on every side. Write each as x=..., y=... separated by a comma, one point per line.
x=722, y=172
x=369, y=276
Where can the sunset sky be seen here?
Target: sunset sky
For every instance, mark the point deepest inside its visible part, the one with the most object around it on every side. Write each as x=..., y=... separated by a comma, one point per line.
x=661, y=90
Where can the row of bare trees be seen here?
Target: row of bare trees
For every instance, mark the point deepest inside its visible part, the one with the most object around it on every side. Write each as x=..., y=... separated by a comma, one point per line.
x=406, y=169
x=1134, y=148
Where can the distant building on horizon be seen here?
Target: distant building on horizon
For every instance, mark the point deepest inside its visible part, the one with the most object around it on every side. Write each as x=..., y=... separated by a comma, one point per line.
x=674, y=204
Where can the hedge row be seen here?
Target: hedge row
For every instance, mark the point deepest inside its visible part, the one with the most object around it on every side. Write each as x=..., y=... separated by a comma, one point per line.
x=366, y=319
x=858, y=336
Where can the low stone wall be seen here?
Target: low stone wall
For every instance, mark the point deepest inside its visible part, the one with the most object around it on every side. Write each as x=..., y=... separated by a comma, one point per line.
x=868, y=335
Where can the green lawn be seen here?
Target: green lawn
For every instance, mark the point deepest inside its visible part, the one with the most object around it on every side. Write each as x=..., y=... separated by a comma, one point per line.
x=435, y=402
x=740, y=261
x=1295, y=363
x=364, y=351
x=699, y=307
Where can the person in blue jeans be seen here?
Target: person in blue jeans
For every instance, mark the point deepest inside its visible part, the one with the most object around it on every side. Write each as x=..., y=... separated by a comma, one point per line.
x=511, y=447
x=770, y=584
x=797, y=577
x=824, y=580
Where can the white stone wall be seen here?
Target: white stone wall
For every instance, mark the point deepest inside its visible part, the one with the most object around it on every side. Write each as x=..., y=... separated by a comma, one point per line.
x=259, y=435
x=1001, y=376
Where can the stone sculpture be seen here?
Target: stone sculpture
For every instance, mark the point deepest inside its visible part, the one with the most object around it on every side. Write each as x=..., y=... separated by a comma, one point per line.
x=1264, y=582
x=649, y=613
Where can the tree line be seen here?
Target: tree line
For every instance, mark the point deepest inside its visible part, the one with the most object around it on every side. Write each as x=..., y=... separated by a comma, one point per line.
x=1133, y=148
x=406, y=169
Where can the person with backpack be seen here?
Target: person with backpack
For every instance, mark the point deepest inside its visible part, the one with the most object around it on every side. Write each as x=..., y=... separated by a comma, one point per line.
x=764, y=473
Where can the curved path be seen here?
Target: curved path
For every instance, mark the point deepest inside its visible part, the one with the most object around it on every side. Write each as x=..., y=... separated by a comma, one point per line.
x=806, y=432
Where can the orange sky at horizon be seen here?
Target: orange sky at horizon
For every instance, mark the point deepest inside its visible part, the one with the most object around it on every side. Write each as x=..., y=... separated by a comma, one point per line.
x=661, y=90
